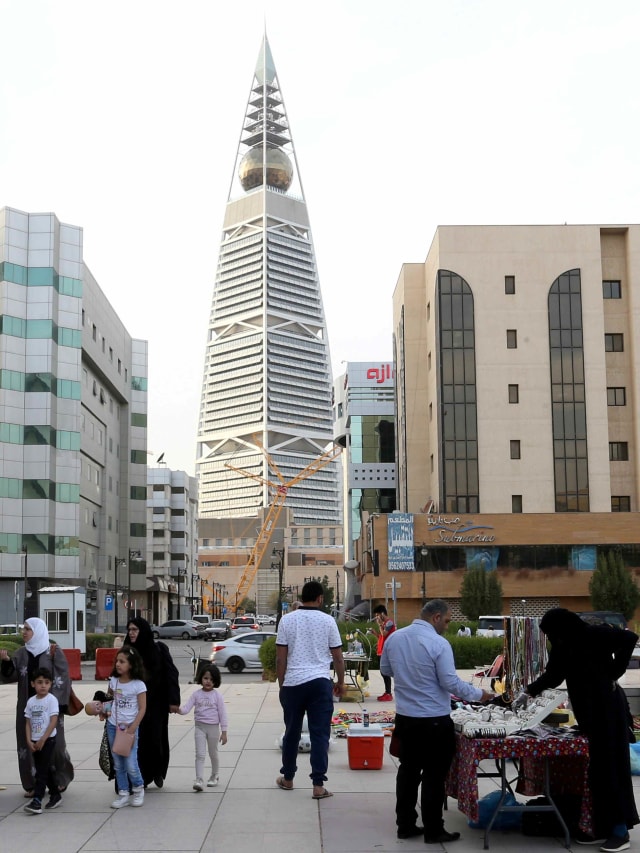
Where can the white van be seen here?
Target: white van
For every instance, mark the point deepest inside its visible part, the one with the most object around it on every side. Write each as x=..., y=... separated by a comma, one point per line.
x=486, y=623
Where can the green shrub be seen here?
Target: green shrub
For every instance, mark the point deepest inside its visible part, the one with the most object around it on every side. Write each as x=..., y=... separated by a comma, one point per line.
x=472, y=652
x=98, y=641
x=267, y=655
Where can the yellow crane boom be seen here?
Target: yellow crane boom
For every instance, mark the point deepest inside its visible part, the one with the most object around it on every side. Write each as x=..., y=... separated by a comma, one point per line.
x=280, y=491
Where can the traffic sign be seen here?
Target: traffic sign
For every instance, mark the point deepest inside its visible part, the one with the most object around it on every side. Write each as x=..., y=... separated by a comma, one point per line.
x=108, y=602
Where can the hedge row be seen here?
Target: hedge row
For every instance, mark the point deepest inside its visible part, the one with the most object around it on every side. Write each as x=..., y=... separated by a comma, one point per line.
x=468, y=652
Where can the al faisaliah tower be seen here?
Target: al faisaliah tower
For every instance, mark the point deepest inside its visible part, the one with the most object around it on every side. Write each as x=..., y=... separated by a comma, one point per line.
x=267, y=376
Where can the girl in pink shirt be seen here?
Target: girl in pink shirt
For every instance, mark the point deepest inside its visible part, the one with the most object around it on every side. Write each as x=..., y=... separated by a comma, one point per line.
x=210, y=719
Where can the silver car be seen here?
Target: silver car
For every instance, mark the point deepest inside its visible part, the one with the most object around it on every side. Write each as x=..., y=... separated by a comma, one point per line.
x=240, y=652
x=185, y=628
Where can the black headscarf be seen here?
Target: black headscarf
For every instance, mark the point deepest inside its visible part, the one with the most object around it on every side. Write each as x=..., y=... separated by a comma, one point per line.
x=562, y=626
x=145, y=645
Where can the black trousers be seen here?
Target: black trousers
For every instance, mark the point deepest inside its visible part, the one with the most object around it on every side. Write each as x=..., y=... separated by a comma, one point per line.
x=45, y=770
x=427, y=747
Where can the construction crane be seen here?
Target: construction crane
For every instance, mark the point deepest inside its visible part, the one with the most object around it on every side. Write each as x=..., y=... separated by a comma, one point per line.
x=279, y=492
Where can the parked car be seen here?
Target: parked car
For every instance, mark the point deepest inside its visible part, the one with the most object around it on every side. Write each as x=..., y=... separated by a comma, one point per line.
x=217, y=629
x=490, y=626
x=265, y=619
x=608, y=617
x=202, y=618
x=244, y=623
x=241, y=652
x=185, y=628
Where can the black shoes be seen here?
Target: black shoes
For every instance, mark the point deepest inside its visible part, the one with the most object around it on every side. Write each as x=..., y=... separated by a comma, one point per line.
x=412, y=832
x=615, y=843
x=442, y=838
x=54, y=801
x=34, y=807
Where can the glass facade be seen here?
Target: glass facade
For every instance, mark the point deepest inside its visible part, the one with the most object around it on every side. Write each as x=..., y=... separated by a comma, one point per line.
x=569, y=416
x=458, y=410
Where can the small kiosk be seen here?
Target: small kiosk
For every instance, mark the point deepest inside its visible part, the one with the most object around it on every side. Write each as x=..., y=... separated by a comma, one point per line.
x=62, y=608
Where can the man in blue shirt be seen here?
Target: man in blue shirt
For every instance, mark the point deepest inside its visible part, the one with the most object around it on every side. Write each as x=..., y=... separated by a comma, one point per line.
x=421, y=662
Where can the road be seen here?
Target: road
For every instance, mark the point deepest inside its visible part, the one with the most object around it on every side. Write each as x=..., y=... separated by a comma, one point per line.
x=182, y=658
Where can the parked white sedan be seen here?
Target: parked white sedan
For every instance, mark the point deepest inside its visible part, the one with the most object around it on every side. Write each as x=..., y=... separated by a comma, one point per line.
x=240, y=652
x=185, y=628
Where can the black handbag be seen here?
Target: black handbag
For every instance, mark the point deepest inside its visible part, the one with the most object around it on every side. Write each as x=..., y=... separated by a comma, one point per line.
x=105, y=759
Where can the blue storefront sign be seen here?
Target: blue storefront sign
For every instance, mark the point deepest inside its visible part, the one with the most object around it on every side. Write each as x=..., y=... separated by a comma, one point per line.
x=400, y=542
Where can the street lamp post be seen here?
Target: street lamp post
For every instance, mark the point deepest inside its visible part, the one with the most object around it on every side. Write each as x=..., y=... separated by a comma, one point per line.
x=337, y=593
x=424, y=553
x=27, y=594
x=182, y=573
x=117, y=563
x=195, y=577
x=277, y=562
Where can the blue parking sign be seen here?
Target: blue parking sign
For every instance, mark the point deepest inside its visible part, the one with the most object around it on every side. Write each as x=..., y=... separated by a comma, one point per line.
x=108, y=602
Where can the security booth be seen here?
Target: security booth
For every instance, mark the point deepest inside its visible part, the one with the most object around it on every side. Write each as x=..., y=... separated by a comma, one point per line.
x=62, y=608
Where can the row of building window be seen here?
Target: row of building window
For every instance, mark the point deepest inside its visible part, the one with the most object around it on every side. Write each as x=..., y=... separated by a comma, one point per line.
x=18, y=327
x=39, y=543
x=39, y=434
x=47, y=490
x=613, y=342
x=40, y=277
x=619, y=503
x=611, y=288
x=15, y=380
x=618, y=450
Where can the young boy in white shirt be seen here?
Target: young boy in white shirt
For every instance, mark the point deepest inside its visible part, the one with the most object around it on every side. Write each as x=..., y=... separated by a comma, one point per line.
x=41, y=715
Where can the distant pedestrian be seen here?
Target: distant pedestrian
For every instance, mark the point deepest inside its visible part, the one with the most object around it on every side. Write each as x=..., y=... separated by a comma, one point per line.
x=210, y=723
x=464, y=631
x=307, y=642
x=129, y=694
x=385, y=627
x=41, y=715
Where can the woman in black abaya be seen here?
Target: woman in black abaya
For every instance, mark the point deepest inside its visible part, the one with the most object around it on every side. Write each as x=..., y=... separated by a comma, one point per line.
x=163, y=691
x=590, y=658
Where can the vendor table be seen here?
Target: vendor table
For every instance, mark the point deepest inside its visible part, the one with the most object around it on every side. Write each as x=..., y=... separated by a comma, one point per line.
x=355, y=665
x=545, y=766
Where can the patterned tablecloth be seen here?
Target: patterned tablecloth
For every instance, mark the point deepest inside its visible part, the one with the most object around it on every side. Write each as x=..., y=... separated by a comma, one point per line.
x=568, y=765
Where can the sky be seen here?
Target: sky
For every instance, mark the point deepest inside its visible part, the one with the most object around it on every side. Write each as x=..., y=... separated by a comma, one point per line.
x=124, y=118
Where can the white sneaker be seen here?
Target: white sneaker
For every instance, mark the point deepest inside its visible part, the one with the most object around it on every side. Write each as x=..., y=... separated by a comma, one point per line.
x=121, y=800
x=198, y=785
x=138, y=797
x=213, y=781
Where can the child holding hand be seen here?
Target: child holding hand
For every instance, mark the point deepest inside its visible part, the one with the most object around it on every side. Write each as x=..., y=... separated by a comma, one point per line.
x=210, y=723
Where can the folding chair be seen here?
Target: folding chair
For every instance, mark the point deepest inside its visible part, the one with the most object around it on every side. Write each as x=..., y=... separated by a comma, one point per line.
x=490, y=670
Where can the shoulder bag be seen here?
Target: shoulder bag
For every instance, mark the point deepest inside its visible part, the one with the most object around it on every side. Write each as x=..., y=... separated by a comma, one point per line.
x=123, y=741
x=74, y=705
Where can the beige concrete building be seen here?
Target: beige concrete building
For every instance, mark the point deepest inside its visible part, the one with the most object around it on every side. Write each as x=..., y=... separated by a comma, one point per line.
x=516, y=351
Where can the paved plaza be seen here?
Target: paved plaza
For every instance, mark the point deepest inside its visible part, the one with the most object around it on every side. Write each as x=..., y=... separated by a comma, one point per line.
x=246, y=813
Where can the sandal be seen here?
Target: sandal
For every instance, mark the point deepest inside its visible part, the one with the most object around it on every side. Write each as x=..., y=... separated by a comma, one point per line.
x=284, y=784
x=325, y=793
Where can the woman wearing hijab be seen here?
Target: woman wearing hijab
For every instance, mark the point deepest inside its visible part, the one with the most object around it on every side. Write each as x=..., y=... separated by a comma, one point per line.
x=590, y=658
x=38, y=652
x=163, y=692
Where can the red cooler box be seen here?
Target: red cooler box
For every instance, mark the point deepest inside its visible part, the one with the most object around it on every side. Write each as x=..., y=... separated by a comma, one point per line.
x=365, y=745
